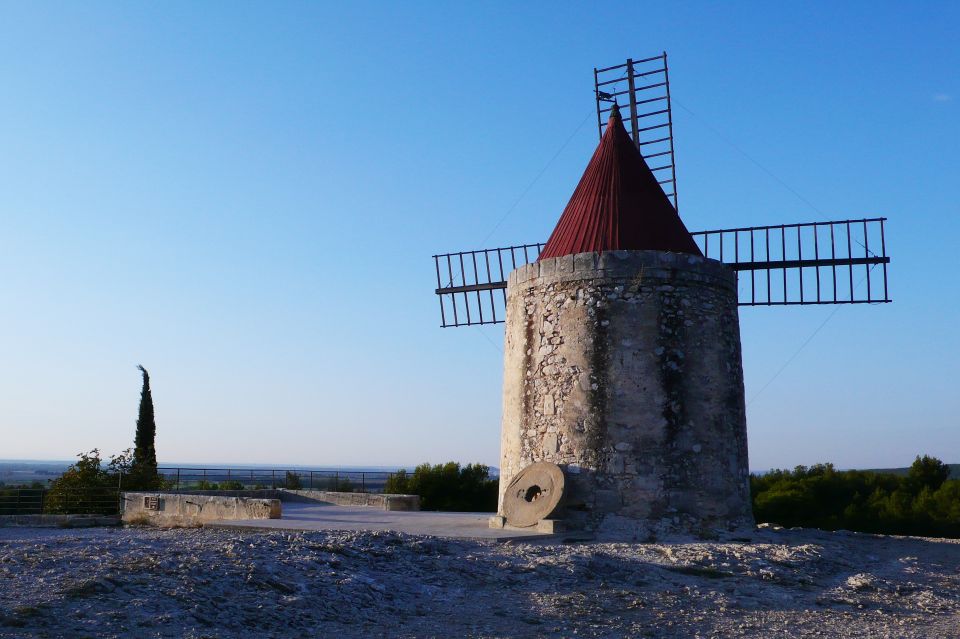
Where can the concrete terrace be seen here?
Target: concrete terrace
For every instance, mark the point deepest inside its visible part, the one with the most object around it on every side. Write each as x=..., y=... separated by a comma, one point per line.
x=319, y=516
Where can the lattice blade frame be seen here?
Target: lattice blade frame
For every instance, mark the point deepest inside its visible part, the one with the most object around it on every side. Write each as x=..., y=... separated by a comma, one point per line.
x=803, y=264
x=475, y=290
x=780, y=265
x=643, y=86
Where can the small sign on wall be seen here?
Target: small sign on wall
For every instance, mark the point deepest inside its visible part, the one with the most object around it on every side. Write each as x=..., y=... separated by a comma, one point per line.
x=151, y=502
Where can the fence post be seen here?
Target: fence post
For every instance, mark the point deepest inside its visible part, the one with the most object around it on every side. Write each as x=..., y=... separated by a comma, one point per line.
x=178, y=480
x=311, y=480
x=363, y=482
x=43, y=494
x=273, y=480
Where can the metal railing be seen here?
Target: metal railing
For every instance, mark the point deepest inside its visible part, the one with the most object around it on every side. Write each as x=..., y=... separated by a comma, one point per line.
x=180, y=478
x=106, y=500
x=67, y=501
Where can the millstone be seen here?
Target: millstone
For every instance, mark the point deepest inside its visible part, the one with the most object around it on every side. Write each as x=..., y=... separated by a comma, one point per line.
x=533, y=494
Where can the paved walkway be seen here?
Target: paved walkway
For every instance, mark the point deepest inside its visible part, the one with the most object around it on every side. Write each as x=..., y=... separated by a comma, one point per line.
x=302, y=517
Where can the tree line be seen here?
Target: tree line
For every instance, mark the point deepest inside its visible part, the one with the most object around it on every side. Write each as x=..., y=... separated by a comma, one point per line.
x=922, y=502
x=448, y=487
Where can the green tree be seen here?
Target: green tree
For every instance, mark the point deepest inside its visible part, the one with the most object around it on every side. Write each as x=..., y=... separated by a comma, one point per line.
x=397, y=483
x=448, y=487
x=143, y=468
x=86, y=487
x=947, y=501
x=927, y=472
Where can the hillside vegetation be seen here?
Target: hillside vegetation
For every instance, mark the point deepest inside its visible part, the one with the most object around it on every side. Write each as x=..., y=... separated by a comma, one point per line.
x=921, y=502
x=448, y=487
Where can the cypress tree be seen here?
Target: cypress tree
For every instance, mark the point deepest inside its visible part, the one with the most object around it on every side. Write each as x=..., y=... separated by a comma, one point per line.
x=144, y=466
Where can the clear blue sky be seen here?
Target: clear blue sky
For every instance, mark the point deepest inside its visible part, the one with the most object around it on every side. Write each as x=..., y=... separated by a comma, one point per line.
x=244, y=198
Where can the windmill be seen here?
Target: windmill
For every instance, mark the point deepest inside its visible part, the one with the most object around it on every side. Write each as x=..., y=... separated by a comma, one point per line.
x=622, y=351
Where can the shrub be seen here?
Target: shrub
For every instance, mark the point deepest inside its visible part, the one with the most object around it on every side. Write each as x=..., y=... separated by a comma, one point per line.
x=447, y=487
x=292, y=481
x=85, y=487
x=397, y=483
x=140, y=519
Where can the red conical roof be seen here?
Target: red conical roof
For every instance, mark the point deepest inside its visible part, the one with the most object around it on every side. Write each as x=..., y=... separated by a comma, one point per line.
x=618, y=205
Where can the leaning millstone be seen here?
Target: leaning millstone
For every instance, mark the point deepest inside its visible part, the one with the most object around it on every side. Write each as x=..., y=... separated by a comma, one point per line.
x=534, y=494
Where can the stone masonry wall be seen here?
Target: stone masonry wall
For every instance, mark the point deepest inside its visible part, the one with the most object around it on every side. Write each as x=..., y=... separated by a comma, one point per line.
x=182, y=509
x=624, y=368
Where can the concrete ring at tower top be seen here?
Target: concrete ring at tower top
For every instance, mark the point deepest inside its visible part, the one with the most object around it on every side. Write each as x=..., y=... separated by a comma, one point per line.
x=533, y=494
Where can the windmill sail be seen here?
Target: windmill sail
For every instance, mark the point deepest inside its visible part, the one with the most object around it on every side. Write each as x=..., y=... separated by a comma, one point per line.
x=642, y=87
x=786, y=264
x=780, y=265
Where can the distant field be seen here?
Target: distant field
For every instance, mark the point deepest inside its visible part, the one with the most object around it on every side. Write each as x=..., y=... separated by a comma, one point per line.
x=17, y=473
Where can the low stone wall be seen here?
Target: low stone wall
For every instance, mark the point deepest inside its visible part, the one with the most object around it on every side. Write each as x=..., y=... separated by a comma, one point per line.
x=260, y=493
x=179, y=509
x=374, y=500
x=59, y=521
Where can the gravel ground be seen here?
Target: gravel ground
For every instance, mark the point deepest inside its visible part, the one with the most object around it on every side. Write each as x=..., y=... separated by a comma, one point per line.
x=143, y=582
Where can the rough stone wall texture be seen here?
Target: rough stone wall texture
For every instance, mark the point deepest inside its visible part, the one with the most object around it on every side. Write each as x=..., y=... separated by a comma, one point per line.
x=175, y=509
x=624, y=368
x=373, y=500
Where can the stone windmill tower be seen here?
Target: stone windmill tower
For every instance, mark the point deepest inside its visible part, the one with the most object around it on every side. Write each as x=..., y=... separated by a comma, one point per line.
x=623, y=380
x=622, y=359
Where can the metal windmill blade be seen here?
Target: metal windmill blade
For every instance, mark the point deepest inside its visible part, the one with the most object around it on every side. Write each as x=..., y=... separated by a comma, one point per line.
x=643, y=86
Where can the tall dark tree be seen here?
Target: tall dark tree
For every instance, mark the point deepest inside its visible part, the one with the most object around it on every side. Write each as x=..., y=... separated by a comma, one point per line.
x=144, y=466
x=928, y=472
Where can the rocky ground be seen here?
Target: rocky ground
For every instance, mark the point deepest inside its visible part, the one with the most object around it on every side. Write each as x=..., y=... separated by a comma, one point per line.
x=142, y=582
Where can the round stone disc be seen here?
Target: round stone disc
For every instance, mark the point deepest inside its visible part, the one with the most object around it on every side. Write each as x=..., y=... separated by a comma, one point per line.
x=533, y=494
